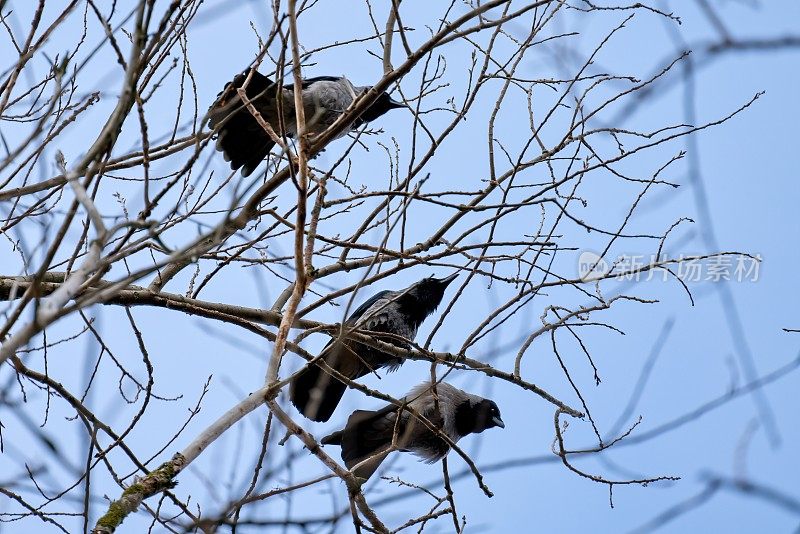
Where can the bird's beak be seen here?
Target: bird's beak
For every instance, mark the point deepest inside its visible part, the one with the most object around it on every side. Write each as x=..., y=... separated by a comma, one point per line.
x=498, y=422
x=395, y=104
x=446, y=281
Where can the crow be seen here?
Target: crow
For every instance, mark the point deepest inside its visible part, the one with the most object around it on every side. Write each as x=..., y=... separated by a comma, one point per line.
x=245, y=143
x=367, y=438
x=316, y=393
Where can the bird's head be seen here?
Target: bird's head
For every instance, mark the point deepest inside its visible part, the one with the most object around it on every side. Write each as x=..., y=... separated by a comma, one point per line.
x=382, y=104
x=474, y=416
x=428, y=292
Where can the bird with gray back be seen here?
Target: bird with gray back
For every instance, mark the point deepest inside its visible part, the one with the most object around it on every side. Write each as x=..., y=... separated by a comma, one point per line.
x=245, y=143
x=368, y=437
x=316, y=392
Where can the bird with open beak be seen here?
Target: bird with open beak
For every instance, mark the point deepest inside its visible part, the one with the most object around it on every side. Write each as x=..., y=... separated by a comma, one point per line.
x=316, y=392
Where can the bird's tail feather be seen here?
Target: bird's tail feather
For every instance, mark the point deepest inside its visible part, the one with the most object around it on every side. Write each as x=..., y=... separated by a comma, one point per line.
x=240, y=137
x=367, y=439
x=315, y=393
x=333, y=439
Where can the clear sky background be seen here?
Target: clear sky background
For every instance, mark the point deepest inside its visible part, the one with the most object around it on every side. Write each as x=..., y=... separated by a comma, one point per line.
x=738, y=183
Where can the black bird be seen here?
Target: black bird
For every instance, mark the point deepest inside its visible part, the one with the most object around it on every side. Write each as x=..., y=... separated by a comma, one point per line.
x=243, y=140
x=368, y=435
x=316, y=393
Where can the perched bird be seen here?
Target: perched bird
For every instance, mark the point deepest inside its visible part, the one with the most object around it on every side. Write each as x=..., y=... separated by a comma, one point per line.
x=245, y=143
x=368, y=435
x=316, y=393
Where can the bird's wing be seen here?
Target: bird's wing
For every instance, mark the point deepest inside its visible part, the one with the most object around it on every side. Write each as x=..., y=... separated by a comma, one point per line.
x=418, y=437
x=370, y=307
x=228, y=101
x=307, y=82
x=370, y=434
x=240, y=137
x=341, y=356
x=369, y=313
x=316, y=392
x=383, y=314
